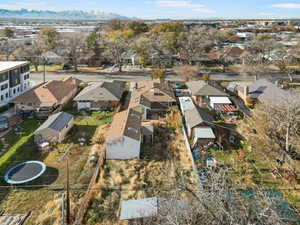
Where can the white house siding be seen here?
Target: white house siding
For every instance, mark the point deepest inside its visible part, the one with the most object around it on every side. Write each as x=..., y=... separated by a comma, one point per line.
x=4, y=94
x=123, y=148
x=10, y=93
x=83, y=105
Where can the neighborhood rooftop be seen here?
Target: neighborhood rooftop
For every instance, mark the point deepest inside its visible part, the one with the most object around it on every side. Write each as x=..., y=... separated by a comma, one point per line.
x=197, y=116
x=125, y=123
x=50, y=92
x=105, y=91
x=56, y=122
x=8, y=65
x=202, y=88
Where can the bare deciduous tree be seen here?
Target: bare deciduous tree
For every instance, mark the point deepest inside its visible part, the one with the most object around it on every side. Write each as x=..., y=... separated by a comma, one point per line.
x=282, y=122
x=7, y=48
x=218, y=204
x=187, y=72
x=256, y=60
x=74, y=44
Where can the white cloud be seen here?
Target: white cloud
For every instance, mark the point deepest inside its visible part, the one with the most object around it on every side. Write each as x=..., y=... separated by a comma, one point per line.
x=27, y=4
x=287, y=5
x=183, y=4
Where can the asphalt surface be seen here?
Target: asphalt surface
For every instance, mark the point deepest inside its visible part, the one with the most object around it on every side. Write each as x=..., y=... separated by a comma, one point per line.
x=37, y=77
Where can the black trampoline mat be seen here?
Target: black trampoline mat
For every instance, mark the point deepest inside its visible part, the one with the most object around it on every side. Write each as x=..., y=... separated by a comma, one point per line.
x=25, y=172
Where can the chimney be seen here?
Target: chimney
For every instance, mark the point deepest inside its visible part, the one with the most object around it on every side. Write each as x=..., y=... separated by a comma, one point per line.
x=246, y=91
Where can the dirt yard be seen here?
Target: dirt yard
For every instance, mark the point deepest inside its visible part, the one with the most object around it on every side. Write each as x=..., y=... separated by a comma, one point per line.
x=163, y=166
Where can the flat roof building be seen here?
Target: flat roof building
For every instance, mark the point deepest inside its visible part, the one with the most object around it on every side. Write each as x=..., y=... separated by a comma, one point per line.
x=14, y=80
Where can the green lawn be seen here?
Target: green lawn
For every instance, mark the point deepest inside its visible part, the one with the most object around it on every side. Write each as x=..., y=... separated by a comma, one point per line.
x=21, y=146
x=48, y=68
x=44, y=203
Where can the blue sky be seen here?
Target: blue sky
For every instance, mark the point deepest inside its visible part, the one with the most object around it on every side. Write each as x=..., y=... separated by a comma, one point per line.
x=175, y=9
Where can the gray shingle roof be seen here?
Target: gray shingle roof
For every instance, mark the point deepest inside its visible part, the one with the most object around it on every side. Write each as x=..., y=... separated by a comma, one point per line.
x=104, y=91
x=266, y=91
x=201, y=88
x=56, y=122
x=196, y=116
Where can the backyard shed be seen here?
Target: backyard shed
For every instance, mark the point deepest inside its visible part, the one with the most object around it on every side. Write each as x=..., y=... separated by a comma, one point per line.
x=55, y=128
x=148, y=207
x=203, y=135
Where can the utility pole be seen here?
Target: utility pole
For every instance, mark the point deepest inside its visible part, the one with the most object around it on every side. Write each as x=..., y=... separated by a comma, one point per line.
x=44, y=75
x=68, y=196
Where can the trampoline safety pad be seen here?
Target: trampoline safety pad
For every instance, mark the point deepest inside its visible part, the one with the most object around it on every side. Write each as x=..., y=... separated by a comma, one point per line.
x=24, y=172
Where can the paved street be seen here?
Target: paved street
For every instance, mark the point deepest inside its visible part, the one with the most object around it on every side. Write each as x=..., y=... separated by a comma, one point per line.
x=37, y=77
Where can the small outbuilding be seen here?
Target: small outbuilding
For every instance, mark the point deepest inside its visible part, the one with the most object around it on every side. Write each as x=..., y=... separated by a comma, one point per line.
x=55, y=128
x=150, y=207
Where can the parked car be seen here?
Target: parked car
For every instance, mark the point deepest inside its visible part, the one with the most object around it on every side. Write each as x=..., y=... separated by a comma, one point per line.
x=4, y=123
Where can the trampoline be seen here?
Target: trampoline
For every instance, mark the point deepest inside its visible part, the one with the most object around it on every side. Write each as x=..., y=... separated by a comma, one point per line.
x=25, y=172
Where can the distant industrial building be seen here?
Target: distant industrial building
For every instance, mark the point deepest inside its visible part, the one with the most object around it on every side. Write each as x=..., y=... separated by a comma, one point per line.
x=14, y=80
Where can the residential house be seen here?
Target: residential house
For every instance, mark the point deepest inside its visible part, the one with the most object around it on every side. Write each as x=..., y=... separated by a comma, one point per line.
x=150, y=207
x=201, y=91
x=198, y=122
x=130, y=58
x=124, y=138
x=152, y=98
x=263, y=91
x=126, y=133
x=233, y=54
x=55, y=128
x=100, y=96
x=14, y=80
x=47, y=97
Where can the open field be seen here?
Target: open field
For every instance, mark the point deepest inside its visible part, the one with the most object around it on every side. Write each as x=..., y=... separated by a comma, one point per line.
x=163, y=166
x=45, y=201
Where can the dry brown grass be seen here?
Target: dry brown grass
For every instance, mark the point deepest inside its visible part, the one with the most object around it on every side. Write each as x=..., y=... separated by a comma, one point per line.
x=163, y=165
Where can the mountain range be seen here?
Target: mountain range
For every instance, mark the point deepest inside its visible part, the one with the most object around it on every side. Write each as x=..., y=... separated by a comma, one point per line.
x=58, y=15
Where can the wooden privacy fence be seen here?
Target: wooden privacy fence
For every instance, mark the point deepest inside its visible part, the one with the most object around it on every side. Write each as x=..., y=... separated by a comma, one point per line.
x=89, y=193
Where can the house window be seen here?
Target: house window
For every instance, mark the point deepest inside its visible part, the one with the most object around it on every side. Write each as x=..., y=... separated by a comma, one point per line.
x=4, y=86
x=2, y=97
x=14, y=91
x=6, y=95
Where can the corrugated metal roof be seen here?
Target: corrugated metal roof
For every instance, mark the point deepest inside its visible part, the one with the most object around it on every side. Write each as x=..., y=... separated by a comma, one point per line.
x=148, y=207
x=56, y=122
x=204, y=132
x=17, y=219
x=186, y=103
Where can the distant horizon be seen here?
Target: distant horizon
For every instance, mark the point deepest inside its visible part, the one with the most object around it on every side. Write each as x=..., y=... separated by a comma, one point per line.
x=133, y=18
x=169, y=9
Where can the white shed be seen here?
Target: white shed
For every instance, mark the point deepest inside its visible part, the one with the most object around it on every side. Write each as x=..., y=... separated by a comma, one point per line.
x=148, y=207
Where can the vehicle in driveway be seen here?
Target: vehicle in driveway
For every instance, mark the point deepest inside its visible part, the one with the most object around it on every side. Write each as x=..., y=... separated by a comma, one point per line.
x=4, y=123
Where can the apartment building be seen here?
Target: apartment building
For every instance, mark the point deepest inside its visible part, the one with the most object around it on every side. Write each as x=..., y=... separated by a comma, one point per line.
x=14, y=80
